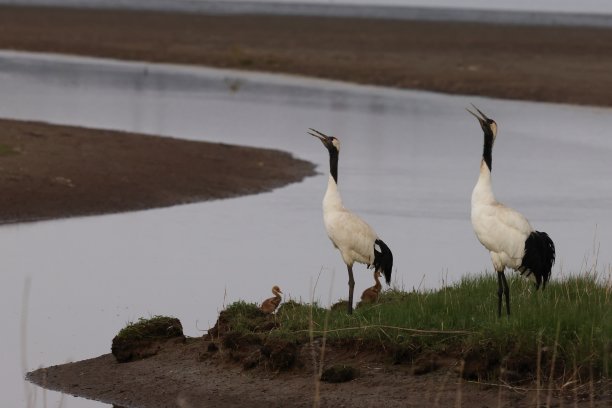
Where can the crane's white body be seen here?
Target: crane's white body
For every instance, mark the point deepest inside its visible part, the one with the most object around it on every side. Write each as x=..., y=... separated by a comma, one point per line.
x=500, y=229
x=508, y=236
x=353, y=237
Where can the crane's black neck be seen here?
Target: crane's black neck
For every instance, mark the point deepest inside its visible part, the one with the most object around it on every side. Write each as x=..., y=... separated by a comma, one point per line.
x=487, y=153
x=333, y=163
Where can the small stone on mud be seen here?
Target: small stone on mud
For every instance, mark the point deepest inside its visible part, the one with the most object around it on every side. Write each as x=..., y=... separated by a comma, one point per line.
x=480, y=364
x=339, y=373
x=252, y=360
x=404, y=352
x=425, y=364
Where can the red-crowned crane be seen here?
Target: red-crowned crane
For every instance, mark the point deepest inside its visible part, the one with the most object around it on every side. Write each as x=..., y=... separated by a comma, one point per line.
x=269, y=305
x=504, y=232
x=353, y=237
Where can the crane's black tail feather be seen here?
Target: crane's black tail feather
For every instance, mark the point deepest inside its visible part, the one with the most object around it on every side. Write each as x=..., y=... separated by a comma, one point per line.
x=383, y=259
x=539, y=257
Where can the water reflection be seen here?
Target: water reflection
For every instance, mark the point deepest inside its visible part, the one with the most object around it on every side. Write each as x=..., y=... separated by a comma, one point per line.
x=409, y=161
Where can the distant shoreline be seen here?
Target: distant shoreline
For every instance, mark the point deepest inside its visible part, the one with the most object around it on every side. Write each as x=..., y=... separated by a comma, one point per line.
x=340, y=10
x=546, y=63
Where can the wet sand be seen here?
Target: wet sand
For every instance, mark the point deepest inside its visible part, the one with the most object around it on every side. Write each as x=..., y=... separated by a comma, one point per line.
x=191, y=375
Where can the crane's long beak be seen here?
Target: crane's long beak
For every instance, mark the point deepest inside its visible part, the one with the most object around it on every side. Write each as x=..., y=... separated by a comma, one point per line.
x=326, y=140
x=482, y=118
x=481, y=113
x=321, y=136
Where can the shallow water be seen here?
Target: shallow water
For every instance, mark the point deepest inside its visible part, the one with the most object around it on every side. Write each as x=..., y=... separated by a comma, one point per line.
x=408, y=164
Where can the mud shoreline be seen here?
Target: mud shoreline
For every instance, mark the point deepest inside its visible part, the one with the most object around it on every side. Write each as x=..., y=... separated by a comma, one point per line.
x=49, y=171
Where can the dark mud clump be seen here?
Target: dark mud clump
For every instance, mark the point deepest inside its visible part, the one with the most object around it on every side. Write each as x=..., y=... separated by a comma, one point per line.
x=145, y=338
x=404, y=352
x=480, y=364
x=426, y=363
x=280, y=354
x=242, y=347
x=243, y=333
x=339, y=373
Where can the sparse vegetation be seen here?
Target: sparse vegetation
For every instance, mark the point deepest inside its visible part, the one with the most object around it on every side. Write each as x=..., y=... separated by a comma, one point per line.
x=156, y=327
x=144, y=338
x=563, y=331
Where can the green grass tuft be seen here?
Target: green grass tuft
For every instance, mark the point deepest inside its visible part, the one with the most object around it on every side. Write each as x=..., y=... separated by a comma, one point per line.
x=157, y=327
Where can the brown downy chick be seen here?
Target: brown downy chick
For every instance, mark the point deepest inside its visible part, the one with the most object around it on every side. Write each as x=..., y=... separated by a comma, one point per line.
x=370, y=295
x=269, y=305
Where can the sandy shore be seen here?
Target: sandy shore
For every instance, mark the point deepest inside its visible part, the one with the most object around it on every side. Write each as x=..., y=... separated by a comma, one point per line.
x=67, y=167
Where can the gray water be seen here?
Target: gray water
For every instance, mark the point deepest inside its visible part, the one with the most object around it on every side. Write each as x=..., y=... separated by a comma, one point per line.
x=408, y=164
x=594, y=13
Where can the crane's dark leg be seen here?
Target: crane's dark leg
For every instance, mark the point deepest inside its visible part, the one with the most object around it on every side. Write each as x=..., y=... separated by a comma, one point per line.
x=502, y=290
x=351, y=283
x=506, y=293
x=538, y=282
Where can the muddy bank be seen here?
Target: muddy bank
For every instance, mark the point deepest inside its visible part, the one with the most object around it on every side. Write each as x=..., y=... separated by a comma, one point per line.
x=49, y=171
x=555, y=64
x=235, y=369
x=190, y=375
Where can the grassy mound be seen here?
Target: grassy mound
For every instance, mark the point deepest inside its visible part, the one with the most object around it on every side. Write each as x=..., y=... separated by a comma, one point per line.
x=561, y=333
x=157, y=327
x=143, y=338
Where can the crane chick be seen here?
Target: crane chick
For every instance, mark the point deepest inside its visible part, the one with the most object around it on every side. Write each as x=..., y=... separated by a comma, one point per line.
x=268, y=306
x=370, y=295
x=504, y=232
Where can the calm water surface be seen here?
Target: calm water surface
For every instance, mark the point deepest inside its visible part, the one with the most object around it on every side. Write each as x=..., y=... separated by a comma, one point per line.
x=408, y=163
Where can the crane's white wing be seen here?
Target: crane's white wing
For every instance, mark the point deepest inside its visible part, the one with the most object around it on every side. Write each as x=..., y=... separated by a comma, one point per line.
x=351, y=235
x=502, y=230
